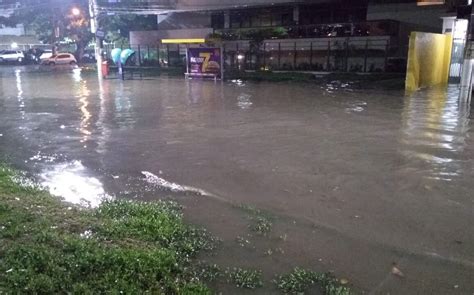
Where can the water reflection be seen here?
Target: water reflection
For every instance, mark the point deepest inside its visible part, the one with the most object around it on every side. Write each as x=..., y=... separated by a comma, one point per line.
x=125, y=116
x=244, y=101
x=83, y=94
x=104, y=98
x=356, y=107
x=19, y=87
x=434, y=132
x=73, y=183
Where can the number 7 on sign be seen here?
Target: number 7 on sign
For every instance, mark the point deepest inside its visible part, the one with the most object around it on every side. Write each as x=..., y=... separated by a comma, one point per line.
x=207, y=57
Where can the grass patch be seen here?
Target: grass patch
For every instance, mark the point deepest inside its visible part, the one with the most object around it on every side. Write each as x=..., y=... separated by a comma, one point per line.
x=245, y=278
x=299, y=281
x=47, y=246
x=261, y=225
x=261, y=222
x=208, y=272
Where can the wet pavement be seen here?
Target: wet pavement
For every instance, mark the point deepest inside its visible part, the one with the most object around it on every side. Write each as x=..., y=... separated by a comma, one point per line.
x=356, y=180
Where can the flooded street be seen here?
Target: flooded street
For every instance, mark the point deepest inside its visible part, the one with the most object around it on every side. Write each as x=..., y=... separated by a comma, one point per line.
x=356, y=180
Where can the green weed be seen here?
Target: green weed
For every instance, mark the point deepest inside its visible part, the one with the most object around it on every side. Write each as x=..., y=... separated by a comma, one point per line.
x=300, y=280
x=242, y=278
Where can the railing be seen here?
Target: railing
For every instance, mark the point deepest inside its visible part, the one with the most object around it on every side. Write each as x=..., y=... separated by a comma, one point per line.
x=330, y=55
x=369, y=28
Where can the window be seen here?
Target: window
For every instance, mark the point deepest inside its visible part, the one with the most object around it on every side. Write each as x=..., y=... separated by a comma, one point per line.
x=217, y=20
x=63, y=56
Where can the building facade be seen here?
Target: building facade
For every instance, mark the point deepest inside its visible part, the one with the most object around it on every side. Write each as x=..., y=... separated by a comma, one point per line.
x=319, y=35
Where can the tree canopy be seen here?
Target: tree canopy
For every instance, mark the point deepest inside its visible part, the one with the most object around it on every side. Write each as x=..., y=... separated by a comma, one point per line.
x=54, y=21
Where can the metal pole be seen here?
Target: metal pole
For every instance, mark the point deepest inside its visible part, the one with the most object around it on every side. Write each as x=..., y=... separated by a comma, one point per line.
x=139, y=57
x=148, y=54
x=329, y=57
x=347, y=55
x=222, y=62
x=465, y=92
x=466, y=75
x=294, y=57
x=279, y=55
x=264, y=55
x=311, y=55
x=55, y=31
x=187, y=61
x=366, y=55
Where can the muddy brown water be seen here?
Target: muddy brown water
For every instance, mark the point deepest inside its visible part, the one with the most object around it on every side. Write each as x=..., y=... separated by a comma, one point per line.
x=354, y=180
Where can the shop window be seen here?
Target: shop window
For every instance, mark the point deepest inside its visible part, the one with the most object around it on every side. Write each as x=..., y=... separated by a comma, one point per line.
x=217, y=20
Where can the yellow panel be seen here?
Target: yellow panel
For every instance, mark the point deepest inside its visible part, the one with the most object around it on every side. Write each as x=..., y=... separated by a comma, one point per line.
x=429, y=57
x=182, y=41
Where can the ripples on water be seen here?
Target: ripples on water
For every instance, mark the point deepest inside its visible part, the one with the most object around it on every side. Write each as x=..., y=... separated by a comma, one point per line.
x=434, y=131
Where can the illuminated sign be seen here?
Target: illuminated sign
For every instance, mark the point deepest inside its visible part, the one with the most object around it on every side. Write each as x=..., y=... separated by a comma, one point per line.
x=183, y=41
x=429, y=2
x=204, y=62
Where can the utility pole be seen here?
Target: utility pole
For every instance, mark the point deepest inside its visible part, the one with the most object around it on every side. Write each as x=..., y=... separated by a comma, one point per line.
x=467, y=67
x=94, y=12
x=55, y=28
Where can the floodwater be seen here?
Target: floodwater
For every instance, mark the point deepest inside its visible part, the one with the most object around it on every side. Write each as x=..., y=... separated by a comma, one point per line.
x=356, y=180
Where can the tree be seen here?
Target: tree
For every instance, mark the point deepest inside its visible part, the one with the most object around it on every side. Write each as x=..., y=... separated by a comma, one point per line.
x=54, y=22
x=118, y=26
x=48, y=19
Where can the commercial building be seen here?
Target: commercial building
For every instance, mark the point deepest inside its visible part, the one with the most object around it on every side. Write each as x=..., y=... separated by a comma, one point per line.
x=326, y=35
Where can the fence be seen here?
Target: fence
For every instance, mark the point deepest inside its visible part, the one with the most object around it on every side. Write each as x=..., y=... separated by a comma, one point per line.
x=356, y=29
x=330, y=54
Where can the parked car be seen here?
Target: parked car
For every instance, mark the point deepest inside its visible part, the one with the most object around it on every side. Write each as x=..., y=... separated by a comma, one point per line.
x=12, y=56
x=60, y=59
x=32, y=56
x=47, y=53
x=89, y=56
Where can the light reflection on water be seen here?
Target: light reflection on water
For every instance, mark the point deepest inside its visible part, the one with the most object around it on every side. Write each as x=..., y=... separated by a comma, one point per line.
x=19, y=87
x=244, y=101
x=72, y=182
x=434, y=131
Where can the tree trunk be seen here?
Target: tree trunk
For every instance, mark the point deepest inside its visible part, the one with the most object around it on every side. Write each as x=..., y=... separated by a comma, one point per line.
x=80, y=47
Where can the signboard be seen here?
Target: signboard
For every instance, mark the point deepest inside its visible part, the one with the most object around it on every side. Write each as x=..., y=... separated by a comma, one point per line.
x=204, y=62
x=100, y=34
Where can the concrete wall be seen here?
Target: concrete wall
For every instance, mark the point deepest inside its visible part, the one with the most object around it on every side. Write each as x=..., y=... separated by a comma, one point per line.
x=421, y=18
x=428, y=60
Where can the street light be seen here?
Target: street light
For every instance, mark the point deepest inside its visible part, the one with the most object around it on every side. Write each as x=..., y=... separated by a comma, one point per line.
x=75, y=11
